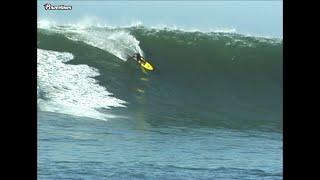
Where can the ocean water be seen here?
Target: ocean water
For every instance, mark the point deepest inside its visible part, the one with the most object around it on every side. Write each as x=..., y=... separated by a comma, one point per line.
x=212, y=109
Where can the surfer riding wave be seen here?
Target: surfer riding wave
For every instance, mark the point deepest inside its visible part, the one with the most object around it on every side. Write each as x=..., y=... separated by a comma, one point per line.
x=142, y=61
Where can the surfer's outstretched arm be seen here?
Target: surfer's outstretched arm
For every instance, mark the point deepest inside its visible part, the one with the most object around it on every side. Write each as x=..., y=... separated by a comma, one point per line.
x=131, y=57
x=136, y=56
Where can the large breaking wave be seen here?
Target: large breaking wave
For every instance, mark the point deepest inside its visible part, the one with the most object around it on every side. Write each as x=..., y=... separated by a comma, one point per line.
x=206, y=78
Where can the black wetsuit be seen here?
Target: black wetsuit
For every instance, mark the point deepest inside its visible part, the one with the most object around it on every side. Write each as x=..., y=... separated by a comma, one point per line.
x=138, y=57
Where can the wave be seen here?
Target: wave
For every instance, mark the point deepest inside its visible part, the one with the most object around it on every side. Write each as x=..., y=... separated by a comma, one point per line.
x=201, y=78
x=119, y=40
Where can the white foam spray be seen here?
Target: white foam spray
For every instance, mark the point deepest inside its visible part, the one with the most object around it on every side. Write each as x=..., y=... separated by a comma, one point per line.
x=91, y=31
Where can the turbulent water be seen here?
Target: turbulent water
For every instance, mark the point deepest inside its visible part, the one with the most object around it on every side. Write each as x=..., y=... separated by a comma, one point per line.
x=212, y=109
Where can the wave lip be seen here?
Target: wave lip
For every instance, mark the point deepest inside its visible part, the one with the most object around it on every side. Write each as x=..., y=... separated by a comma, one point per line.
x=90, y=22
x=118, y=42
x=71, y=89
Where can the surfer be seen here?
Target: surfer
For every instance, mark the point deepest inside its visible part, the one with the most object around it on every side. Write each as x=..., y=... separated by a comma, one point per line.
x=138, y=58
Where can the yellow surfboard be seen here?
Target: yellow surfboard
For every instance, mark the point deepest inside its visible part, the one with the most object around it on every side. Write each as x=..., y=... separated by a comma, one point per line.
x=146, y=65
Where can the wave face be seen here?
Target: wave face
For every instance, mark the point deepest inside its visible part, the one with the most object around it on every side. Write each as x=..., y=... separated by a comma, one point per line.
x=201, y=78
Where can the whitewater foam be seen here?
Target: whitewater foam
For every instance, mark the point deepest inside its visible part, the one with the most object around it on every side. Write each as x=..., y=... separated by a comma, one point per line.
x=118, y=42
x=71, y=89
x=177, y=28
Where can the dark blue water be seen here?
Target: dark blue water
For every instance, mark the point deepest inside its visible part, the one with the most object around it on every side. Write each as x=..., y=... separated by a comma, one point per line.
x=124, y=148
